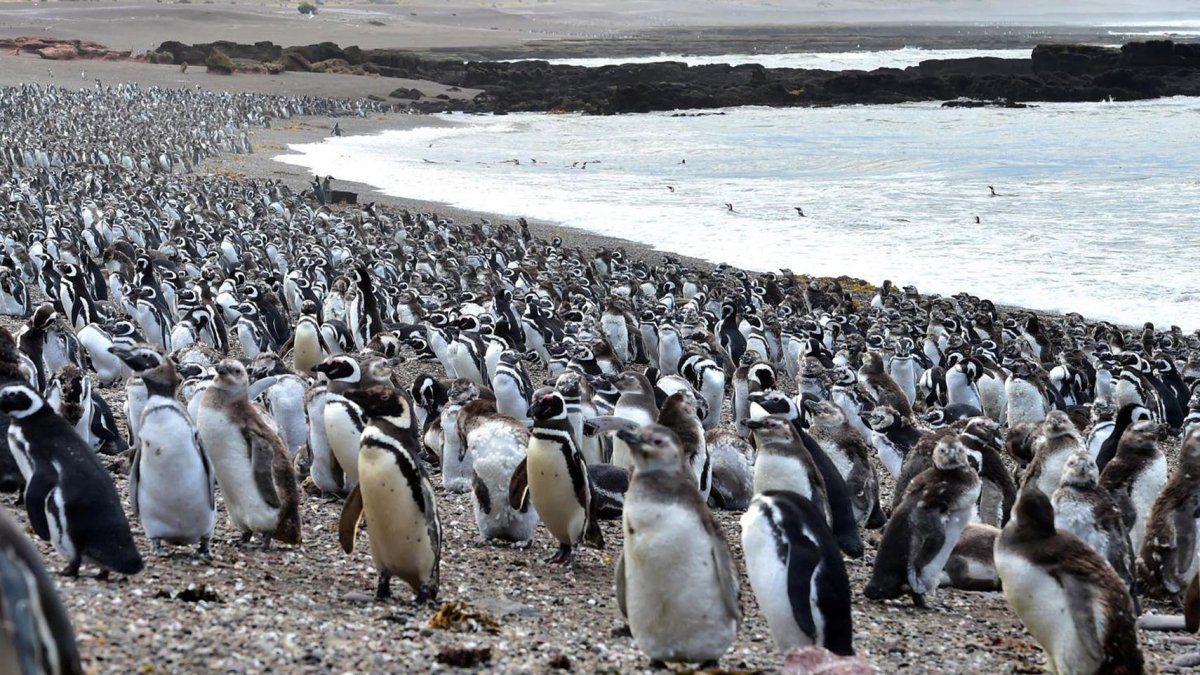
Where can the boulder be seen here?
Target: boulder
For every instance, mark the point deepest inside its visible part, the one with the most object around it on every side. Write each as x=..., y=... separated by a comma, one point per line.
x=59, y=52
x=218, y=62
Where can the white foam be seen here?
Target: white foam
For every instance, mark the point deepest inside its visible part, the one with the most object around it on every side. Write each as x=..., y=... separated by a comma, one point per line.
x=855, y=60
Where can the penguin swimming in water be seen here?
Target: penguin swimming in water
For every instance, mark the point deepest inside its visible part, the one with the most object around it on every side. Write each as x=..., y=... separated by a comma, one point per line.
x=922, y=533
x=36, y=635
x=797, y=573
x=69, y=496
x=676, y=580
x=1069, y=599
x=395, y=496
x=254, y=471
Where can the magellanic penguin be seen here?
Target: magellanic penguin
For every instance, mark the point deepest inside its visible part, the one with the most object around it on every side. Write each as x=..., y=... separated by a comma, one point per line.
x=925, y=528
x=252, y=465
x=971, y=566
x=69, y=496
x=1058, y=441
x=1070, y=600
x=849, y=451
x=1087, y=510
x=554, y=478
x=1136, y=475
x=498, y=443
x=396, y=497
x=636, y=404
x=881, y=386
x=732, y=474
x=1169, y=552
x=676, y=581
x=171, y=481
x=35, y=635
x=797, y=573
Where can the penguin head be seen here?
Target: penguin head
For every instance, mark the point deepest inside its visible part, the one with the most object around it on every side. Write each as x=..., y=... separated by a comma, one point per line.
x=770, y=427
x=382, y=401
x=138, y=357
x=548, y=404
x=341, y=368
x=230, y=375
x=1142, y=435
x=823, y=413
x=1080, y=471
x=1058, y=424
x=950, y=453
x=885, y=416
x=20, y=401
x=654, y=448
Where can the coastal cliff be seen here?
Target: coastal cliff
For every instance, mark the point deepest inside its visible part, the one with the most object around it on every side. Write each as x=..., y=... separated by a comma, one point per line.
x=1138, y=70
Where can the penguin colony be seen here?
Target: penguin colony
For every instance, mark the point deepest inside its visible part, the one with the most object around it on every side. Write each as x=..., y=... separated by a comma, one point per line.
x=255, y=334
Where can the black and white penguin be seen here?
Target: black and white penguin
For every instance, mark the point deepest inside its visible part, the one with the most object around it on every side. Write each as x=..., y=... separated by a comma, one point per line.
x=732, y=472
x=1088, y=511
x=396, y=497
x=1069, y=599
x=1126, y=417
x=1026, y=400
x=1172, y=540
x=850, y=453
x=554, y=478
x=922, y=533
x=36, y=635
x=892, y=435
x=881, y=386
x=498, y=444
x=282, y=393
x=676, y=581
x=636, y=404
x=1136, y=476
x=308, y=348
x=1103, y=419
x=69, y=496
x=171, y=481
x=257, y=479
x=797, y=573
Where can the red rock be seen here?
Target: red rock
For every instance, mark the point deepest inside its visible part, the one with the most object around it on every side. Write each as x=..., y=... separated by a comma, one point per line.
x=821, y=661
x=61, y=52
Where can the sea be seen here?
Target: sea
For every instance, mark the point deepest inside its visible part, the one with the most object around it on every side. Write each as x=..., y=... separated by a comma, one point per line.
x=852, y=60
x=1096, y=207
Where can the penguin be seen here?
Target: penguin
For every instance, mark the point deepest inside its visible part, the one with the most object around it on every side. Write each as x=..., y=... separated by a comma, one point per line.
x=851, y=455
x=1088, y=511
x=498, y=443
x=256, y=476
x=971, y=565
x=69, y=496
x=1126, y=416
x=1103, y=417
x=109, y=369
x=636, y=404
x=1059, y=440
x=308, y=348
x=997, y=490
x=922, y=533
x=455, y=457
x=732, y=475
x=680, y=414
x=1171, y=544
x=511, y=385
x=395, y=495
x=283, y=397
x=1136, y=475
x=343, y=420
x=323, y=468
x=554, y=478
x=1069, y=599
x=881, y=386
x=171, y=481
x=892, y=435
x=1026, y=402
x=797, y=573
x=36, y=635
x=676, y=581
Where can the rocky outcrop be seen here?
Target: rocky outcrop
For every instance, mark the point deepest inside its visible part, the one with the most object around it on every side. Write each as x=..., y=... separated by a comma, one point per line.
x=219, y=62
x=60, y=50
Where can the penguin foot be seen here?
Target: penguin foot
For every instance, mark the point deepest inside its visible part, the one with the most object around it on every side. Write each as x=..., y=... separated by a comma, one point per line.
x=157, y=548
x=522, y=545
x=384, y=590
x=710, y=665
x=204, y=550
x=655, y=664
x=265, y=544
x=72, y=569
x=426, y=594
x=102, y=575
x=244, y=542
x=565, y=555
x=919, y=601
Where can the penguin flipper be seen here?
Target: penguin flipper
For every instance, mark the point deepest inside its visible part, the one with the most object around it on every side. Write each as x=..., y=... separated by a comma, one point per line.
x=518, y=488
x=36, y=492
x=261, y=459
x=209, y=474
x=619, y=577
x=928, y=538
x=1081, y=602
x=352, y=512
x=802, y=560
x=135, y=475
x=1191, y=605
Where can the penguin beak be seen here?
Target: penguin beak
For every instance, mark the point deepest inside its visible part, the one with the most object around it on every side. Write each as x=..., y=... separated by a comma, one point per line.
x=754, y=424
x=631, y=438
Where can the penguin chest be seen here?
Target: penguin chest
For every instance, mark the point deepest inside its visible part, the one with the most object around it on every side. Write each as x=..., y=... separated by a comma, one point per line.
x=1043, y=606
x=175, y=493
x=1077, y=516
x=399, y=530
x=552, y=490
x=617, y=333
x=674, y=599
x=1144, y=491
x=307, y=350
x=343, y=429
x=768, y=573
x=223, y=439
x=780, y=472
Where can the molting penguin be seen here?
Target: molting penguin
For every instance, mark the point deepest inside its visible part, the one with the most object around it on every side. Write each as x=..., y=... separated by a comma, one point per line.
x=395, y=495
x=1070, y=600
x=252, y=465
x=1058, y=441
x=1126, y=416
x=732, y=475
x=848, y=450
x=555, y=478
x=1087, y=510
x=971, y=566
x=925, y=528
x=797, y=573
x=881, y=386
x=36, y=634
x=498, y=443
x=1136, y=476
x=1169, y=552
x=676, y=581
x=69, y=496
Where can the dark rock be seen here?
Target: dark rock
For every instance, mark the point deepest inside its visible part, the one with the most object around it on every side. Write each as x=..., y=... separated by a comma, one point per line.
x=414, y=94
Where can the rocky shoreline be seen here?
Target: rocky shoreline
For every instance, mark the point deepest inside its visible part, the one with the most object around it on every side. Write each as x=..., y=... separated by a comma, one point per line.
x=1067, y=73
